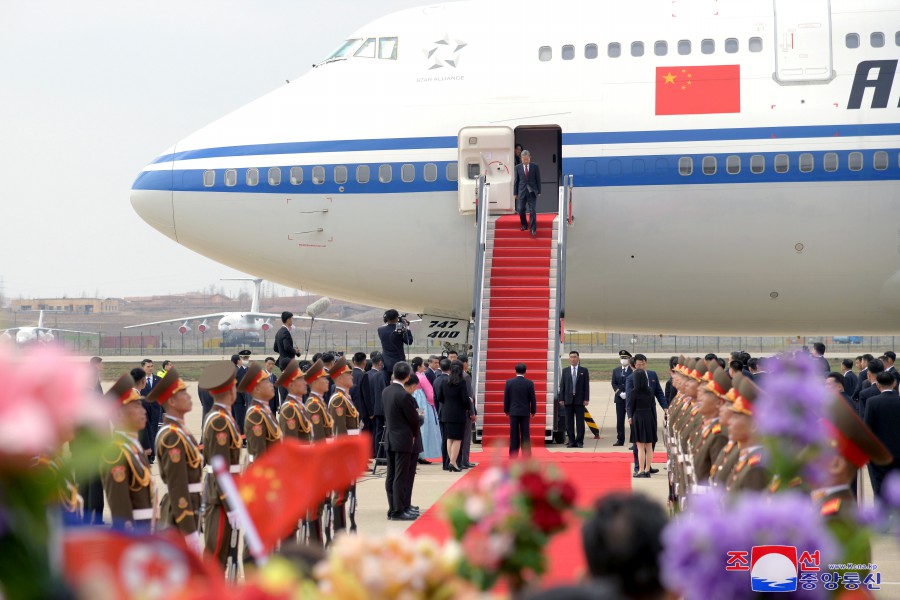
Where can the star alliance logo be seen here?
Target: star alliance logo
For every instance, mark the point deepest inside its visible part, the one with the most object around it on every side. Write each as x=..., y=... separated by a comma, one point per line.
x=445, y=53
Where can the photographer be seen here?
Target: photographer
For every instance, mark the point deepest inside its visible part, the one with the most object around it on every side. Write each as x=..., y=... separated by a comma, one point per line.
x=393, y=334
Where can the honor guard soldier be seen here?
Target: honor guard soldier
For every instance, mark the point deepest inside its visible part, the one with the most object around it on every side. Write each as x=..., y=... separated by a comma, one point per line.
x=322, y=426
x=70, y=501
x=125, y=467
x=220, y=438
x=292, y=416
x=724, y=463
x=713, y=436
x=260, y=428
x=180, y=461
x=346, y=421
x=749, y=473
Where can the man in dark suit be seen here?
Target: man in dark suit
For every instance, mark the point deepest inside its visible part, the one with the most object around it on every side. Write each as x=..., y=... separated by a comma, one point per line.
x=889, y=359
x=153, y=409
x=284, y=342
x=640, y=362
x=868, y=388
x=359, y=392
x=863, y=377
x=400, y=432
x=241, y=361
x=393, y=340
x=519, y=404
x=275, y=401
x=850, y=380
x=527, y=188
x=374, y=395
x=574, y=395
x=433, y=369
x=620, y=375
x=882, y=415
x=439, y=381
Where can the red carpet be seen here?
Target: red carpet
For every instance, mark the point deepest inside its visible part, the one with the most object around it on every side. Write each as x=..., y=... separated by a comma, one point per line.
x=593, y=474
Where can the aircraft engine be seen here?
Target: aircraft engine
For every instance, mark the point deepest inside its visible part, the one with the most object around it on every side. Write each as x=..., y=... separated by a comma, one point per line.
x=184, y=328
x=45, y=336
x=266, y=326
x=203, y=327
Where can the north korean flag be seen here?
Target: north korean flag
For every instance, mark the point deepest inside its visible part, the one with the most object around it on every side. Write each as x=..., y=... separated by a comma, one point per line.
x=698, y=90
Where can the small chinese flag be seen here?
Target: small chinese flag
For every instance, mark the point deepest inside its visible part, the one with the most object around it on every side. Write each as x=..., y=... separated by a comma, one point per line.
x=698, y=90
x=292, y=478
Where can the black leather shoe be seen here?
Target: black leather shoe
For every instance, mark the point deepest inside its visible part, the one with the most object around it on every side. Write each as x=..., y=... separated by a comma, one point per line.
x=570, y=445
x=424, y=461
x=414, y=508
x=454, y=469
x=407, y=516
x=472, y=465
x=652, y=470
x=580, y=445
x=523, y=228
x=619, y=444
x=533, y=233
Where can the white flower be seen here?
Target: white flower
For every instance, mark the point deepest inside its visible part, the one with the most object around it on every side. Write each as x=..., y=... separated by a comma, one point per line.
x=476, y=507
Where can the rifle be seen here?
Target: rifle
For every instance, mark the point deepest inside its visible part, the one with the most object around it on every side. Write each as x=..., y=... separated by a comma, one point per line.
x=231, y=562
x=352, y=500
x=326, y=522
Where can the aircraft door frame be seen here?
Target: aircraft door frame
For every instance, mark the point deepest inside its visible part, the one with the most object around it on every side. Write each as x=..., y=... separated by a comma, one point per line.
x=488, y=151
x=803, y=42
x=545, y=144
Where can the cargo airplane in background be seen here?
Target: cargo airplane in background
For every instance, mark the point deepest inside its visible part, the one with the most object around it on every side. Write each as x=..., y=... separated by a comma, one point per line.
x=736, y=163
x=242, y=327
x=39, y=333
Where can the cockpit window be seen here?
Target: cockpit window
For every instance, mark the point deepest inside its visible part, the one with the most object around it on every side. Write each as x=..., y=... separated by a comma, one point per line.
x=387, y=48
x=346, y=49
x=367, y=50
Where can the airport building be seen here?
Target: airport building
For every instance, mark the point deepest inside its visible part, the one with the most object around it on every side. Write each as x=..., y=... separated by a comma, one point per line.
x=82, y=306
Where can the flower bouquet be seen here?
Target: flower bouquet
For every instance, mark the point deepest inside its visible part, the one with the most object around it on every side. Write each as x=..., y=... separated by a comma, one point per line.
x=504, y=519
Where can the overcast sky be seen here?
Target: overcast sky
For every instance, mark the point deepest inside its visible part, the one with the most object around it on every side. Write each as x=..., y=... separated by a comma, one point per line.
x=93, y=90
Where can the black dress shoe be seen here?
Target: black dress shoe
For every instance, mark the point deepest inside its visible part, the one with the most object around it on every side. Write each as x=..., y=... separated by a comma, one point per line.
x=631, y=447
x=580, y=445
x=619, y=444
x=406, y=516
x=570, y=445
x=454, y=469
x=652, y=470
x=424, y=461
x=471, y=465
x=414, y=508
x=523, y=228
x=533, y=233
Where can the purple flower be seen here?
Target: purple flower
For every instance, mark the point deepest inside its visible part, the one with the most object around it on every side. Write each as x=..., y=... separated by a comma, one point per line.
x=890, y=490
x=815, y=471
x=794, y=404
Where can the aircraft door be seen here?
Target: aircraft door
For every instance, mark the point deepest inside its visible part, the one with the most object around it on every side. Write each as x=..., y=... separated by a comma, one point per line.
x=487, y=150
x=803, y=41
x=544, y=142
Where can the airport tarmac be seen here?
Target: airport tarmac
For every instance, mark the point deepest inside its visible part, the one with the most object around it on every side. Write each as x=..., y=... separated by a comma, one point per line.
x=431, y=482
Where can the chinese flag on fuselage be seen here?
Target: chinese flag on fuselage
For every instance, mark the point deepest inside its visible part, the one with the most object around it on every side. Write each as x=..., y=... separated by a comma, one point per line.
x=698, y=90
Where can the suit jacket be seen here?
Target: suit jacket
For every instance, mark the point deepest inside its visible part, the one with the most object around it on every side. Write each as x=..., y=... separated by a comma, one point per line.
x=654, y=386
x=618, y=381
x=861, y=380
x=284, y=346
x=376, y=387
x=577, y=394
x=359, y=396
x=456, y=403
x=401, y=413
x=864, y=397
x=530, y=186
x=440, y=381
x=430, y=375
x=850, y=382
x=882, y=415
x=152, y=380
x=893, y=371
x=392, y=345
x=519, y=399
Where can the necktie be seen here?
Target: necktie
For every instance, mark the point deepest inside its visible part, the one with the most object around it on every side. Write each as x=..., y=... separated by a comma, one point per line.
x=526, y=171
x=574, y=377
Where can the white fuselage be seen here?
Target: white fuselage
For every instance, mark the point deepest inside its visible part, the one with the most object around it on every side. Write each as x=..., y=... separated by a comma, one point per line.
x=653, y=248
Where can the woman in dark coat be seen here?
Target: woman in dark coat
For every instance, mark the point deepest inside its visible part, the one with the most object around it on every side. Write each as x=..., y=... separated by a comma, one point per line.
x=455, y=412
x=640, y=417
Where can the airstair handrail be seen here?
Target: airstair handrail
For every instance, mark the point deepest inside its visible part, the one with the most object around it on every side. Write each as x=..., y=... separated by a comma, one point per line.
x=481, y=220
x=563, y=221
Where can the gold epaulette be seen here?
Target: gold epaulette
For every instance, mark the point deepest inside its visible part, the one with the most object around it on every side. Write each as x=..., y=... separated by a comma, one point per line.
x=113, y=454
x=339, y=396
x=140, y=473
x=717, y=428
x=302, y=422
x=754, y=460
x=191, y=452
x=235, y=435
x=831, y=507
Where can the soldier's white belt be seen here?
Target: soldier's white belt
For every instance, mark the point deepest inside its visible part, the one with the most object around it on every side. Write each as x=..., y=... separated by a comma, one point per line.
x=231, y=469
x=142, y=514
x=353, y=432
x=195, y=488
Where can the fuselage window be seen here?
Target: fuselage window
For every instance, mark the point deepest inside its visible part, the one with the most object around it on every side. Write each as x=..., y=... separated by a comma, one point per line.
x=755, y=44
x=209, y=178
x=733, y=165
x=430, y=172
x=385, y=173
x=709, y=165
x=296, y=175
x=732, y=45
x=387, y=48
x=684, y=47
x=275, y=176
x=757, y=164
x=852, y=40
x=830, y=162
x=367, y=50
x=318, y=175
x=685, y=165
x=614, y=167
x=408, y=173
x=708, y=46
x=340, y=174
x=880, y=160
x=806, y=162
x=591, y=51
x=568, y=52
x=855, y=161
x=637, y=167
x=877, y=39
x=637, y=48
x=473, y=170
x=660, y=48
x=545, y=53
x=252, y=177
x=782, y=163
x=231, y=177
x=363, y=173
x=614, y=50
x=662, y=166
x=452, y=171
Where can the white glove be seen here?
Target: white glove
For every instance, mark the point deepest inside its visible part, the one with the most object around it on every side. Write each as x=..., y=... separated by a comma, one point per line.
x=232, y=519
x=193, y=542
x=622, y=395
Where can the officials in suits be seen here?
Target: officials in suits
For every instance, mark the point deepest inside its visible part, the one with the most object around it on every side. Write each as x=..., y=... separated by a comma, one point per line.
x=519, y=404
x=374, y=395
x=889, y=359
x=358, y=390
x=619, y=377
x=392, y=341
x=863, y=377
x=275, y=402
x=400, y=433
x=850, y=380
x=284, y=342
x=640, y=362
x=882, y=415
x=153, y=410
x=868, y=389
x=241, y=361
x=574, y=395
x=527, y=188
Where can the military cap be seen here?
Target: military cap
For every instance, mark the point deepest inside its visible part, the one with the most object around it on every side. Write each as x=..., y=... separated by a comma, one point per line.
x=290, y=372
x=244, y=353
x=217, y=377
x=624, y=354
x=316, y=371
x=747, y=394
x=167, y=387
x=698, y=371
x=720, y=384
x=853, y=438
x=339, y=367
x=252, y=377
x=122, y=391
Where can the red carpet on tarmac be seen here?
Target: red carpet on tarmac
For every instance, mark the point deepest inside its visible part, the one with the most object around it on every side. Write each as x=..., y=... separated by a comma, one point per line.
x=594, y=474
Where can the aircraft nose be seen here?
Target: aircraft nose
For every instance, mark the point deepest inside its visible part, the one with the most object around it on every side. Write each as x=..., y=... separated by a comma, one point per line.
x=152, y=199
